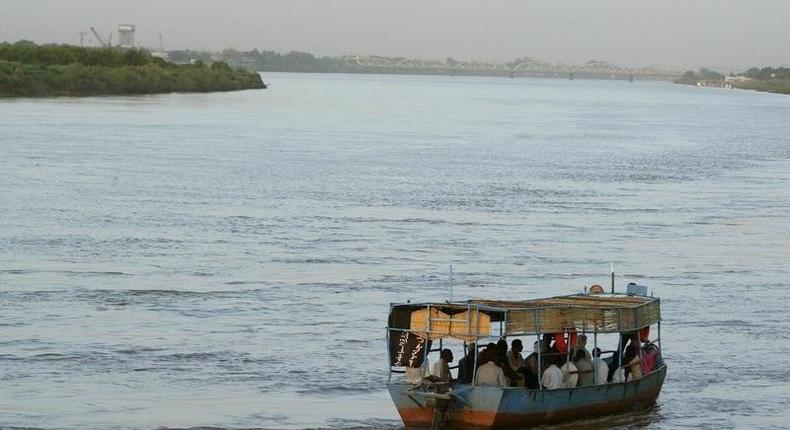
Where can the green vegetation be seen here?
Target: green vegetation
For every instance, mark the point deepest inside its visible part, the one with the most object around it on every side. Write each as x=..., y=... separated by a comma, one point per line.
x=691, y=77
x=27, y=69
x=270, y=61
x=768, y=73
x=768, y=79
x=770, y=85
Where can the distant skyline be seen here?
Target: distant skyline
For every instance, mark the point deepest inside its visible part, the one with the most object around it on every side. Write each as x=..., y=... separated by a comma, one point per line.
x=731, y=35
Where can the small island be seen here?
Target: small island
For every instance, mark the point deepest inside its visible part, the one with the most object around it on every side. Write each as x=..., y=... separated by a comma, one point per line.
x=30, y=70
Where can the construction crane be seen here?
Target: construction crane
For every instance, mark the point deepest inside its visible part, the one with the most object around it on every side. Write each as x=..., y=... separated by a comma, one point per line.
x=101, y=40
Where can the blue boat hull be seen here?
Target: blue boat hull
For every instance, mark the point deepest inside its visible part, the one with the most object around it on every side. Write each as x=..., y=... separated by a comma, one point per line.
x=489, y=407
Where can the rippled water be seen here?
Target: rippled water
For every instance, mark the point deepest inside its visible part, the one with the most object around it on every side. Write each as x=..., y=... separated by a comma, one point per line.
x=228, y=259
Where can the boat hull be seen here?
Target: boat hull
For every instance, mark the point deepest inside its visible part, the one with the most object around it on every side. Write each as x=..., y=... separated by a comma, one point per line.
x=489, y=407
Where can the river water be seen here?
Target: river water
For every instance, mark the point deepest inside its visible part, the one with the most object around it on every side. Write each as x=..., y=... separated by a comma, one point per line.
x=228, y=259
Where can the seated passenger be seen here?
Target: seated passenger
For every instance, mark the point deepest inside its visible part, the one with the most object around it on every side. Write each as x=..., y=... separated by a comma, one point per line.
x=489, y=373
x=631, y=362
x=581, y=345
x=441, y=369
x=570, y=375
x=513, y=378
x=489, y=350
x=531, y=366
x=585, y=368
x=516, y=363
x=634, y=369
x=552, y=375
x=514, y=358
x=601, y=368
x=650, y=358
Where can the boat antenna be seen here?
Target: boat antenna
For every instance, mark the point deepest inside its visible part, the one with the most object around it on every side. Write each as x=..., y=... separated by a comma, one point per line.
x=611, y=265
x=451, y=283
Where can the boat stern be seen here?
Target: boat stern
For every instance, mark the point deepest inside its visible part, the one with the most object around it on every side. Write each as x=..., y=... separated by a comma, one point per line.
x=421, y=407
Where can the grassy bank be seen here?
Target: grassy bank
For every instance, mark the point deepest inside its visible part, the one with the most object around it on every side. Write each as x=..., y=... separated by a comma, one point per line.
x=29, y=70
x=781, y=86
x=767, y=79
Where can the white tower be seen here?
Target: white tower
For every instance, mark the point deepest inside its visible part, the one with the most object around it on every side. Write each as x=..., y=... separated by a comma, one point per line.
x=126, y=36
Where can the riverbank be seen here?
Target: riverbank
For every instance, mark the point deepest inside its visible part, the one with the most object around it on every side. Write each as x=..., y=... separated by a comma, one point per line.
x=29, y=70
x=767, y=79
x=780, y=86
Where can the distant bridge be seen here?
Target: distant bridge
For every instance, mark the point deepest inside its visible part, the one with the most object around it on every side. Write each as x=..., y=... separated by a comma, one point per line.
x=523, y=68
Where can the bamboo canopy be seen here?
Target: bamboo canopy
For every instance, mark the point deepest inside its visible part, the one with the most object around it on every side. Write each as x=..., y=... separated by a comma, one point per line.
x=466, y=325
x=598, y=313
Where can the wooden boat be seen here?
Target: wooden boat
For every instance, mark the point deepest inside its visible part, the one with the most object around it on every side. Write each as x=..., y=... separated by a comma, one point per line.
x=415, y=327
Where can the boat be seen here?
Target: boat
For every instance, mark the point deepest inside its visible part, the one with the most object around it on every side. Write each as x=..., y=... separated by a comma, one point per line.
x=414, y=329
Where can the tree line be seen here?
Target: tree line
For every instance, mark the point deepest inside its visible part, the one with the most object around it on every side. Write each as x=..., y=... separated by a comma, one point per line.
x=268, y=61
x=691, y=77
x=27, y=69
x=768, y=79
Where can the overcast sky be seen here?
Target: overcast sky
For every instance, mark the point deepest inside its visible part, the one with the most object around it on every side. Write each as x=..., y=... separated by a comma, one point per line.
x=685, y=33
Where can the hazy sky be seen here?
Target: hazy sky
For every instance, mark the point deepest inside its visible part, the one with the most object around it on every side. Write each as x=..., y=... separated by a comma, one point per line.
x=685, y=33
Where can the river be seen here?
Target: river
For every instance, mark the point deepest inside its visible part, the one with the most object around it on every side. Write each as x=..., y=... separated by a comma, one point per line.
x=227, y=259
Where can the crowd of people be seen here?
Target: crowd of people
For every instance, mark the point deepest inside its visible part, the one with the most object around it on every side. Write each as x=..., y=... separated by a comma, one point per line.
x=561, y=363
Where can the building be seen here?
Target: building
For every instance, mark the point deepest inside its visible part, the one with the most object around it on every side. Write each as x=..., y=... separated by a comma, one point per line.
x=126, y=36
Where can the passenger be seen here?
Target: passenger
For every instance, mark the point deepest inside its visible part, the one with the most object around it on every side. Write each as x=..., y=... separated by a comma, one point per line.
x=634, y=369
x=490, y=349
x=581, y=345
x=501, y=352
x=551, y=346
x=489, y=373
x=628, y=348
x=441, y=369
x=501, y=360
x=649, y=358
x=623, y=355
x=466, y=365
x=621, y=348
x=531, y=369
x=570, y=375
x=514, y=357
x=517, y=364
x=601, y=368
x=631, y=360
x=585, y=368
x=552, y=375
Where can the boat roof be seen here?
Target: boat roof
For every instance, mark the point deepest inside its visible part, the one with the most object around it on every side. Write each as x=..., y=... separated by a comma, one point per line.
x=594, y=313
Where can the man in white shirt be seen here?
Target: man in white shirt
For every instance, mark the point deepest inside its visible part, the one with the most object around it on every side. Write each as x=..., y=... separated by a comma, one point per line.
x=441, y=369
x=570, y=375
x=601, y=368
x=552, y=377
x=489, y=373
x=585, y=368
